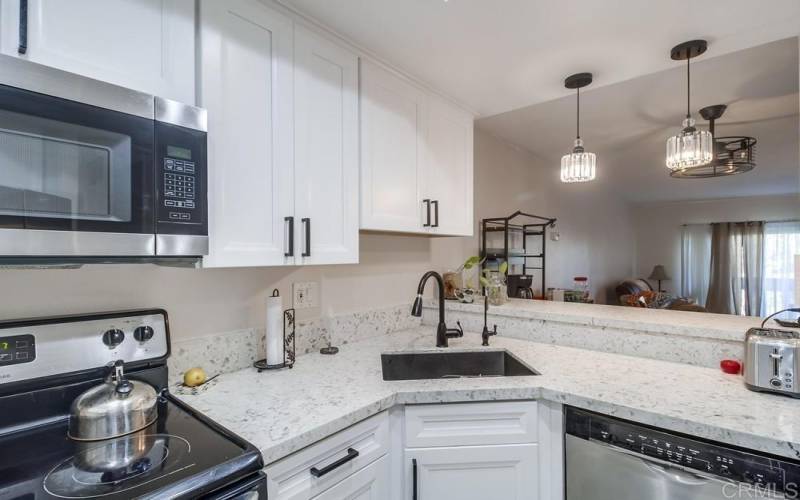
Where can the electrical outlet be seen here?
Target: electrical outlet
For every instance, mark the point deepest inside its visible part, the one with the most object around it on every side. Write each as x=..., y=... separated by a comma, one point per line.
x=305, y=295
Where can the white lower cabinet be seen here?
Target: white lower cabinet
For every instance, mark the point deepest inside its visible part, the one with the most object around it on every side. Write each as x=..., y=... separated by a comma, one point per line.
x=460, y=451
x=323, y=466
x=475, y=451
x=473, y=472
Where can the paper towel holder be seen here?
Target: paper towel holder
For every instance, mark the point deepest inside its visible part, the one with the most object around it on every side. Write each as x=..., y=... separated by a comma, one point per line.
x=289, y=348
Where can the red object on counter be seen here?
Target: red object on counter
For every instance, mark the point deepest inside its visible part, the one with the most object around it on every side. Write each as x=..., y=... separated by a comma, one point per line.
x=731, y=366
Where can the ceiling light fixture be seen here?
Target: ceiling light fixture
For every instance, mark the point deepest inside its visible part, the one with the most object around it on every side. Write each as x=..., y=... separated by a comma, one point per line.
x=691, y=148
x=732, y=155
x=578, y=166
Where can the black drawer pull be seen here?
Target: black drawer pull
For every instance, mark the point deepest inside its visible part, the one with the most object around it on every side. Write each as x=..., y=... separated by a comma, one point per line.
x=351, y=455
x=22, y=48
x=435, y=204
x=414, y=478
x=427, y=203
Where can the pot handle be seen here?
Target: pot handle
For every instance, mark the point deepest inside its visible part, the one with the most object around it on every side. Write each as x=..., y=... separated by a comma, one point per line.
x=124, y=386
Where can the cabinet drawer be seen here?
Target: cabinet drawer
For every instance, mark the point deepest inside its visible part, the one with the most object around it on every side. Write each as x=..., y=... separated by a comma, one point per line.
x=471, y=424
x=291, y=477
x=370, y=483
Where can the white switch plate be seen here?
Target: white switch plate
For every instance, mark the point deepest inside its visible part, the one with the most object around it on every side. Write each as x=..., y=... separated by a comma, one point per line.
x=305, y=295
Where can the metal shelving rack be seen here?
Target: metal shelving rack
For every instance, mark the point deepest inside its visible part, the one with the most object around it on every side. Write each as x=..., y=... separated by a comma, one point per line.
x=505, y=225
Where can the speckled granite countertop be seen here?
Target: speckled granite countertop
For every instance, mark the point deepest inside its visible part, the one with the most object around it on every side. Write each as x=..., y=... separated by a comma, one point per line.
x=282, y=412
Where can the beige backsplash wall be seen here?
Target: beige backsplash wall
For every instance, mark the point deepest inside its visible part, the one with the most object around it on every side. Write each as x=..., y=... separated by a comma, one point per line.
x=206, y=301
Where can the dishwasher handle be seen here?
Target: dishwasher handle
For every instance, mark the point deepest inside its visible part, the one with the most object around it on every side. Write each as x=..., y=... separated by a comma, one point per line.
x=674, y=472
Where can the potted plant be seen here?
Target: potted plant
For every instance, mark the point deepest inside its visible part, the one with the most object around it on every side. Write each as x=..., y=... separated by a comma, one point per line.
x=495, y=285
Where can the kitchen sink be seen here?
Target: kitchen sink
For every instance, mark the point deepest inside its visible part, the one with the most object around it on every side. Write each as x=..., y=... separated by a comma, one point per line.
x=452, y=364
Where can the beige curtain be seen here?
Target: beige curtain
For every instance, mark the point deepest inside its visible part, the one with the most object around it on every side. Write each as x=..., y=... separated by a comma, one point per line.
x=737, y=265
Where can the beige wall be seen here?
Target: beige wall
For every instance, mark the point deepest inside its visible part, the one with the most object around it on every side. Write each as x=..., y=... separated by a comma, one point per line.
x=658, y=226
x=204, y=301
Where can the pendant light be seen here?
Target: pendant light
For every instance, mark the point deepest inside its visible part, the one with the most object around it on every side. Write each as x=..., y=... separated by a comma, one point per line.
x=578, y=166
x=732, y=155
x=691, y=148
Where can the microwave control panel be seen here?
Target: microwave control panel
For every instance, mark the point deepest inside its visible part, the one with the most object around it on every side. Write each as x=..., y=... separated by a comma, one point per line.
x=180, y=180
x=179, y=189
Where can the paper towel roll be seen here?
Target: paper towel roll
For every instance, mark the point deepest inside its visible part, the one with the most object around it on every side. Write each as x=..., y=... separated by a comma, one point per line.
x=274, y=340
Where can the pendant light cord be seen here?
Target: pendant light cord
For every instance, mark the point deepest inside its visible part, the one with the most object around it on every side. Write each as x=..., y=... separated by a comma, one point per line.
x=688, y=87
x=578, y=118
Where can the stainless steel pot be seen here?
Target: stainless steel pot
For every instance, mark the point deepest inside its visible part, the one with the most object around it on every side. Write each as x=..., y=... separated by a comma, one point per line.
x=116, y=454
x=113, y=408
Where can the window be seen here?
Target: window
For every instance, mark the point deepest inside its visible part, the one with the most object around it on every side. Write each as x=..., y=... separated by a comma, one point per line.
x=781, y=250
x=695, y=261
x=778, y=277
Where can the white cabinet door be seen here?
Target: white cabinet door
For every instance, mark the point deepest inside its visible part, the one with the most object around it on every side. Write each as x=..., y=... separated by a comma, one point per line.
x=448, y=167
x=392, y=151
x=147, y=45
x=370, y=483
x=326, y=150
x=473, y=472
x=246, y=85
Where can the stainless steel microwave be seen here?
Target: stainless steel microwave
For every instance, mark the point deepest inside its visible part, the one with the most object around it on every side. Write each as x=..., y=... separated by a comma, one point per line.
x=93, y=170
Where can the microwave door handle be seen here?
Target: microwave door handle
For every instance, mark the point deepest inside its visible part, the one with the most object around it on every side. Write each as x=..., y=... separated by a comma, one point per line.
x=22, y=48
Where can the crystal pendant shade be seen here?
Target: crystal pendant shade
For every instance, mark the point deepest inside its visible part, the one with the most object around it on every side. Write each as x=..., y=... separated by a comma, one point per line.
x=578, y=166
x=690, y=148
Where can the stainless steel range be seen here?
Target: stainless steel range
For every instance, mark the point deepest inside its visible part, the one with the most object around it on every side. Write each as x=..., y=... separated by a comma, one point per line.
x=78, y=418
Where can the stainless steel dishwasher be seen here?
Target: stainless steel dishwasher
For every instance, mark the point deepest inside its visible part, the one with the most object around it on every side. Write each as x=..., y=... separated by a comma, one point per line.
x=613, y=459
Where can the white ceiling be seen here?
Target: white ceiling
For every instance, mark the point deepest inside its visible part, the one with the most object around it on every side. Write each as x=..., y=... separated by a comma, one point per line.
x=499, y=55
x=627, y=125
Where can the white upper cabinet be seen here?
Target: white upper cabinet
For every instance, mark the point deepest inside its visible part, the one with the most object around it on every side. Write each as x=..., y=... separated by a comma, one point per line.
x=147, y=45
x=246, y=85
x=416, y=158
x=282, y=139
x=392, y=151
x=449, y=167
x=326, y=150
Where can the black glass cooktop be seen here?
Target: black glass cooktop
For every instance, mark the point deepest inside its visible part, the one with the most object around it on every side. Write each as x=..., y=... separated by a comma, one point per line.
x=180, y=455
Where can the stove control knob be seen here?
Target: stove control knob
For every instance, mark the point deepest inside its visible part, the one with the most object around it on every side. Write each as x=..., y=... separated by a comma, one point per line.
x=143, y=333
x=114, y=337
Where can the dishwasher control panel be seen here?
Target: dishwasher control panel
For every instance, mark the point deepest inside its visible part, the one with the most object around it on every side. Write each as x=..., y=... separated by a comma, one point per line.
x=706, y=457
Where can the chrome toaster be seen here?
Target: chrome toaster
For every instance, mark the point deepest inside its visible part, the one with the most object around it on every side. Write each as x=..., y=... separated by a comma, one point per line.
x=772, y=360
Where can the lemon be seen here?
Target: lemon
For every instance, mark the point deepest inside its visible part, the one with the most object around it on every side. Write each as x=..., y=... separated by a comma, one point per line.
x=194, y=377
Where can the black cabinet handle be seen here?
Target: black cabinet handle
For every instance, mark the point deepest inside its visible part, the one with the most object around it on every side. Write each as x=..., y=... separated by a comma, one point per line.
x=307, y=223
x=23, y=27
x=290, y=220
x=427, y=213
x=351, y=455
x=435, y=204
x=414, y=478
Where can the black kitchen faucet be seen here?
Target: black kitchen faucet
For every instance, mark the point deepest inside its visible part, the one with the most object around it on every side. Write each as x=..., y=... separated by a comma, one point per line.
x=442, y=332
